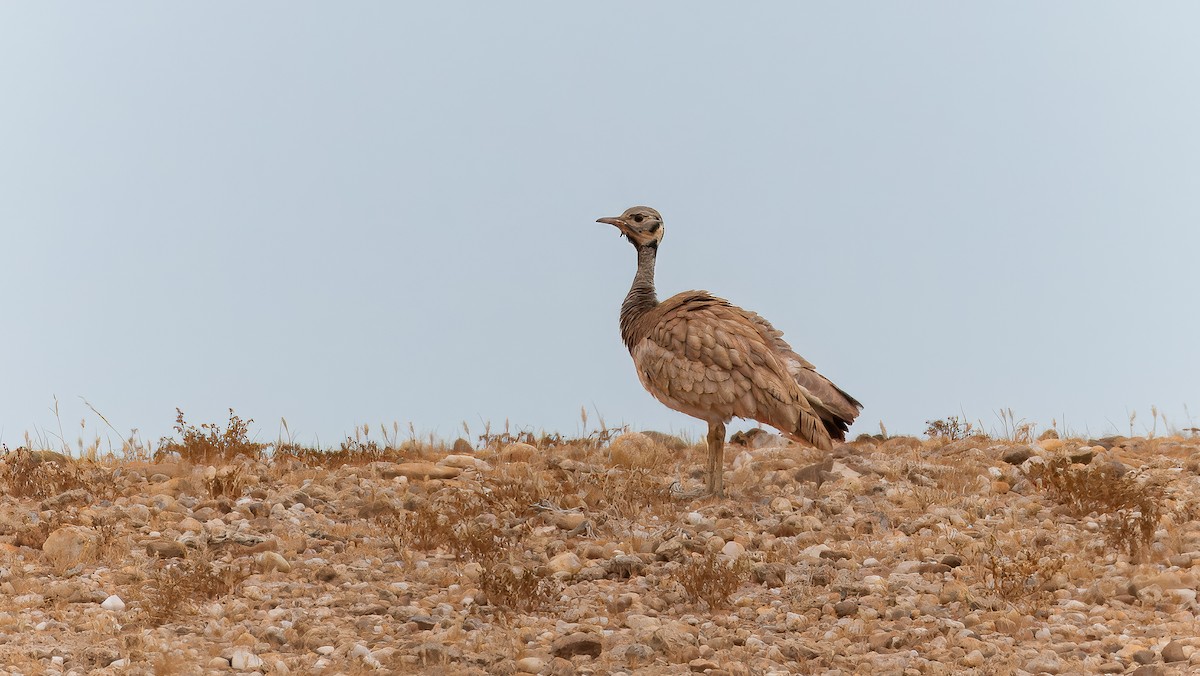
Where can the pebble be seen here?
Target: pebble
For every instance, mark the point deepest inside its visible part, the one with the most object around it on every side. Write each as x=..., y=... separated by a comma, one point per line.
x=113, y=603
x=1174, y=652
x=531, y=665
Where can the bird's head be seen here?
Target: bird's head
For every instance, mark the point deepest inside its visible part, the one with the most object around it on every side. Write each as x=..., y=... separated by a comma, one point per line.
x=642, y=225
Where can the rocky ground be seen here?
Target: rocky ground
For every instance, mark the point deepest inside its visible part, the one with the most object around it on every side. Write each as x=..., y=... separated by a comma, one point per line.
x=896, y=556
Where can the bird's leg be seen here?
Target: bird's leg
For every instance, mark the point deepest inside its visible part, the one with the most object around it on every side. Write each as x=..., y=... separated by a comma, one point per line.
x=716, y=459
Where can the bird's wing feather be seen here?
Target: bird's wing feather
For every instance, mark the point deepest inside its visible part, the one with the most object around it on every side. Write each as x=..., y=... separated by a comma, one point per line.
x=707, y=358
x=829, y=395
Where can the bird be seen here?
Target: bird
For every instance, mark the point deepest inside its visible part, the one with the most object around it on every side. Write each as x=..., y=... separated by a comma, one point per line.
x=708, y=358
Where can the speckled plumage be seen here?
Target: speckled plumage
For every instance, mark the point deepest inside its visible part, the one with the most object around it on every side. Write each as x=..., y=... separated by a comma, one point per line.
x=703, y=356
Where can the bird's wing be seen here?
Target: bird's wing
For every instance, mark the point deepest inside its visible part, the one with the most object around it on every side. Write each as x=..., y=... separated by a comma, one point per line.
x=707, y=358
x=828, y=395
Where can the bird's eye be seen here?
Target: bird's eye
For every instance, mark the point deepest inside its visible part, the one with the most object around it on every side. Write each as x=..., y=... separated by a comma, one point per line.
x=639, y=218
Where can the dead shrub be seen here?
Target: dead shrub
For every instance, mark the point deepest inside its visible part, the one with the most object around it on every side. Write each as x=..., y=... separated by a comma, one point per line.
x=711, y=578
x=949, y=429
x=174, y=588
x=39, y=475
x=1019, y=576
x=517, y=588
x=1127, y=506
x=209, y=444
x=420, y=528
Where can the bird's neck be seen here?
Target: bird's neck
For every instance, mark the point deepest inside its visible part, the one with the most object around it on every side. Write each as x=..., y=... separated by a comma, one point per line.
x=641, y=298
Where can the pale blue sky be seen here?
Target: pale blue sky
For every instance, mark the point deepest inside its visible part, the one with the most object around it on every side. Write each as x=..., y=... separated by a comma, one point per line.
x=374, y=212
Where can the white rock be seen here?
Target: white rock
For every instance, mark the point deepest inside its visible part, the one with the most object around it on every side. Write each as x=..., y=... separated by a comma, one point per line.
x=733, y=549
x=269, y=561
x=113, y=603
x=814, y=552
x=243, y=659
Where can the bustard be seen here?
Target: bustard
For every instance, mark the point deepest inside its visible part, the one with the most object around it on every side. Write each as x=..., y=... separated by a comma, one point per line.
x=703, y=356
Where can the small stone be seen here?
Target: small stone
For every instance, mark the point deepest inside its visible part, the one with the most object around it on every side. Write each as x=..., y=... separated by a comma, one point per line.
x=567, y=562
x=973, y=659
x=845, y=608
x=518, y=453
x=243, y=660
x=637, y=652
x=423, y=622
x=952, y=560
x=113, y=603
x=781, y=505
x=636, y=450
x=1173, y=652
x=530, y=665
x=701, y=666
x=166, y=549
x=769, y=574
x=733, y=550
x=461, y=461
x=1016, y=456
x=577, y=644
x=191, y=525
x=1147, y=670
x=1144, y=656
x=625, y=566
x=418, y=470
x=1051, y=444
x=271, y=561
x=676, y=641
x=1047, y=663
x=883, y=640
x=69, y=546
x=1083, y=456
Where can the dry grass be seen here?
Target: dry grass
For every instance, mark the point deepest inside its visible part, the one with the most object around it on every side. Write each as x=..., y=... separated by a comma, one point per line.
x=517, y=588
x=39, y=475
x=1127, y=505
x=950, y=429
x=209, y=444
x=175, y=588
x=712, y=578
x=1017, y=572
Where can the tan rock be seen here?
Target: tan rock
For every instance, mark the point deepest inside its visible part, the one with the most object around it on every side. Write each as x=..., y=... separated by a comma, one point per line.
x=464, y=462
x=69, y=546
x=166, y=549
x=567, y=562
x=518, y=452
x=637, y=451
x=580, y=643
x=676, y=641
x=419, y=470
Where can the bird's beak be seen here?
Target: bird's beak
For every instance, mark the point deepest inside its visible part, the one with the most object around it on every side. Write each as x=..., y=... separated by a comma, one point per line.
x=617, y=221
